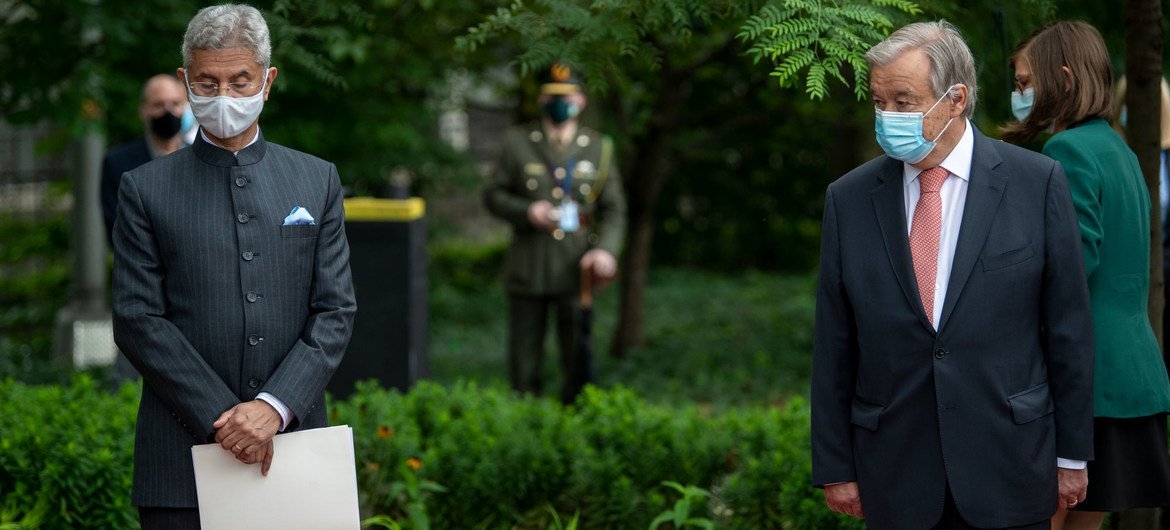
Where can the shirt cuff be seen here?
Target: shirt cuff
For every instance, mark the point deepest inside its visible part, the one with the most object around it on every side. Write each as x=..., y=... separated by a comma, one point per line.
x=1070, y=464
x=285, y=413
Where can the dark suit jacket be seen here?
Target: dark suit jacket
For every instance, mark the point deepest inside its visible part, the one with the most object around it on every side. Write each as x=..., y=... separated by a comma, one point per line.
x=119, y=160
x=987, y=403
x=215, y=301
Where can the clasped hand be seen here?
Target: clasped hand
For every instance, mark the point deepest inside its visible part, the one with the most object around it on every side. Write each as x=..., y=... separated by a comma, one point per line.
x=246, y=430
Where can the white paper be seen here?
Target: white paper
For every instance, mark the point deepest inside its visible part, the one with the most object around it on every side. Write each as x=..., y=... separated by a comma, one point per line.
x=311, y=485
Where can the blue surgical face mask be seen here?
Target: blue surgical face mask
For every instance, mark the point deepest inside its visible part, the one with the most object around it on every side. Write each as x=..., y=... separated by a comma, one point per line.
x=900, y=133
x=1022, y=103
x=188, y=119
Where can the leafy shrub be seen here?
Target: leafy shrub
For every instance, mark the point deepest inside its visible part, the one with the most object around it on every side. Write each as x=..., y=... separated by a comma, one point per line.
x=769, y=488
x=454, y=457
x=504, y=460
x=66, y=455
x=466, y=266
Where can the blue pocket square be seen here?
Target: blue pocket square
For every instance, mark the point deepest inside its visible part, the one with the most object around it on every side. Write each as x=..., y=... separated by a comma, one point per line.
x=299, y=216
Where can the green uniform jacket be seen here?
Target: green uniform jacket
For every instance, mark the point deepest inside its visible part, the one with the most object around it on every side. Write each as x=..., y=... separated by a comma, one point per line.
x=547, y=263
x=1113, y=207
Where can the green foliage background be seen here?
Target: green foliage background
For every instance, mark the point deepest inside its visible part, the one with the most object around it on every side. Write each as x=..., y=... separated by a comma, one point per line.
x=362, y=82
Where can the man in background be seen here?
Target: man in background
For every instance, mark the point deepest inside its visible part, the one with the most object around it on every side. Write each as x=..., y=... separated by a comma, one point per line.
x=161, y=111
x=557, y=185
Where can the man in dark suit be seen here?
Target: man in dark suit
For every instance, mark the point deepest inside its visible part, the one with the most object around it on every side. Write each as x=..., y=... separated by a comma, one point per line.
x=161, y=111
x=232, y=289
x=952, y=373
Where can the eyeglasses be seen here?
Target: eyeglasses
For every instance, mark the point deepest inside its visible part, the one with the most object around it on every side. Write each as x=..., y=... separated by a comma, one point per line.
x=209, y=89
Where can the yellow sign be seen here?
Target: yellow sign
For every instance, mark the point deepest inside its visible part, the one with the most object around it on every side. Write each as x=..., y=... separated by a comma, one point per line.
x=371, y=209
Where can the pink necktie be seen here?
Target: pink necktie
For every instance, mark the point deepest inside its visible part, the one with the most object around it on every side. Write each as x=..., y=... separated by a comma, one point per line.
x=924, y=234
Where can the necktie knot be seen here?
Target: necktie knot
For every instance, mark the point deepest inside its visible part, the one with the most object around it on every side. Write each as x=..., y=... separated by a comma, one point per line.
x=931, y=180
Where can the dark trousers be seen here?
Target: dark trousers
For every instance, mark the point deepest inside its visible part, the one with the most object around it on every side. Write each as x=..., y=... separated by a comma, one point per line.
x=527, y=320
x=951, y=520
x=168, y=518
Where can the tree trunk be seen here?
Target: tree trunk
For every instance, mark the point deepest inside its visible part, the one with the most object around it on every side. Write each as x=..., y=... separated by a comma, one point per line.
x=1143, y=64
x=643, y=181
x=635, y=264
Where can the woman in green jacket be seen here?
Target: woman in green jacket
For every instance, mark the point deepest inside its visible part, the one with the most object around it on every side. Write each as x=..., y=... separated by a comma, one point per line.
x=1064, y=86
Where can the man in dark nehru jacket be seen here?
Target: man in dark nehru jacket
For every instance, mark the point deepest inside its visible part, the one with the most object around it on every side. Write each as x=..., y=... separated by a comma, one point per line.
x=557, y=184
x=232, y=288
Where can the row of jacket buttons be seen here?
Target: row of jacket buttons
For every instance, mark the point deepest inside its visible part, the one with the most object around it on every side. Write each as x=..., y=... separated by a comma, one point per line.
x=251, y=296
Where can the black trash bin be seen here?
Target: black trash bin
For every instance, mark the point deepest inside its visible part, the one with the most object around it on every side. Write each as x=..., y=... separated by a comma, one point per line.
x=387, y=242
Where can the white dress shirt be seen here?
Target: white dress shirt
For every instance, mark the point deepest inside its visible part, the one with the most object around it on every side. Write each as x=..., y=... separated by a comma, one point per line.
x=954, y=196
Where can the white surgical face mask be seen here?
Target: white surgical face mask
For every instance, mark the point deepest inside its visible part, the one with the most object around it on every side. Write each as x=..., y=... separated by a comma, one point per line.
x=225, y=116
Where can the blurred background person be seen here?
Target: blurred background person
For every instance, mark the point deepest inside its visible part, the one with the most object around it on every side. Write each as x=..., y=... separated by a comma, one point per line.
x=1064, y=84
x=163, y=112
x=557, y=185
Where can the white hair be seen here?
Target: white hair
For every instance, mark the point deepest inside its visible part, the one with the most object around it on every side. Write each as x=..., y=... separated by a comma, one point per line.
x=951, y=62
x=228, y=26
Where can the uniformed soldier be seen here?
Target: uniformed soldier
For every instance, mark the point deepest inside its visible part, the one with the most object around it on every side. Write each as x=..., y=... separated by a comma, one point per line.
x=558, y=185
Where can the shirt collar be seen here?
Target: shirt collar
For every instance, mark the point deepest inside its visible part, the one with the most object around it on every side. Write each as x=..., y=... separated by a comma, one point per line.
x=237, y=153
x=958, y=163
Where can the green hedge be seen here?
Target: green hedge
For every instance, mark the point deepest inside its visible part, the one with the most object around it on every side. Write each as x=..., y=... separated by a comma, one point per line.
x=65, y=455
x=460, y=456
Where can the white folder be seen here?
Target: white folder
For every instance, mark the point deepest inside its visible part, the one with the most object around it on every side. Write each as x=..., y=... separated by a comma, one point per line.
x=312, y=484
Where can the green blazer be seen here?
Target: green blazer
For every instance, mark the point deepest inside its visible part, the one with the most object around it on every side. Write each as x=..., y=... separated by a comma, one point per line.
x=1113, y=208
x=530, y=169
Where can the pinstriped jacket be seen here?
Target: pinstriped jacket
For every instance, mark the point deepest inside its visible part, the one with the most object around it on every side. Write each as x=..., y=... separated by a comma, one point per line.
x=215, y=301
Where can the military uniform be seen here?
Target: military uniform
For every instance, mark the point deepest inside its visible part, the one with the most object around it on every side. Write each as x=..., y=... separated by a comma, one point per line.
x=542, y=268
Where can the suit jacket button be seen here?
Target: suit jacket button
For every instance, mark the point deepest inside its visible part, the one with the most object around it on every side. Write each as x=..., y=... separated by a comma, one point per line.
x=252, y=296
x=248, y=255
x=242, y=218
x=940, y=353
x=254, y=383
x=241, y=182
x=253, y=340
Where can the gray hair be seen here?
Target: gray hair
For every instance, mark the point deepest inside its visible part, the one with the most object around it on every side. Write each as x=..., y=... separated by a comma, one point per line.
x=951, y=62
x=228, y=26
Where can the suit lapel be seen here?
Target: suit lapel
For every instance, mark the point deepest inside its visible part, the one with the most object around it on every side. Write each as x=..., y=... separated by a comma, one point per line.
x=889, y=204
x=984, y=192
